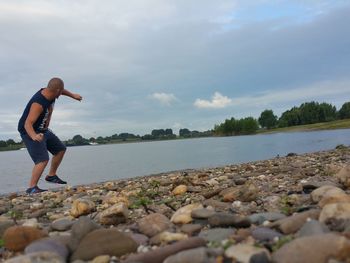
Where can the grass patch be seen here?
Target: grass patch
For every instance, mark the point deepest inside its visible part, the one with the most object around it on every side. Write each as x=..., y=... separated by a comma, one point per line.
x=332, y=125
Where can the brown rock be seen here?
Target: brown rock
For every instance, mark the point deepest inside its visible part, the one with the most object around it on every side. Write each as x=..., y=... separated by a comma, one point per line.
x=16, y=238
x=104, y=242
x=335, y=211
x=114, y=215
x=293, y=223
x=339, y=198
x=82, y=207
x=180, y=190
x=344, y=176
x=314, y=249
x=153, y=224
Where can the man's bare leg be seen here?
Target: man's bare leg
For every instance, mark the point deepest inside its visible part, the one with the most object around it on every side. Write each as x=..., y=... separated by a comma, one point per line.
x=55, y=162
x=37, y=172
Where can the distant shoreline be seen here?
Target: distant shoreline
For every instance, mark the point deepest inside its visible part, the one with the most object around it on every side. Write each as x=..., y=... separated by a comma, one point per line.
x=333, y=125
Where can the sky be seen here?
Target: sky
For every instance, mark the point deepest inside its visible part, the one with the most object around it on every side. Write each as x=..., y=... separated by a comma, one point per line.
x=151, y=64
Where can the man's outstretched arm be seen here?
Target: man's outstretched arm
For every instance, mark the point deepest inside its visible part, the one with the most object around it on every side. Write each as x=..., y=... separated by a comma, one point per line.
x=71, y=95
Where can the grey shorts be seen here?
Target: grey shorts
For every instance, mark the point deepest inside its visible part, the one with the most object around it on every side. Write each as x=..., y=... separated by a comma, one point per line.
x=39, y=151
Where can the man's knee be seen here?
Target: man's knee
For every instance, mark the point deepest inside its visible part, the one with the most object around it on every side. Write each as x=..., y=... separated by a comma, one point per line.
x=44, y=162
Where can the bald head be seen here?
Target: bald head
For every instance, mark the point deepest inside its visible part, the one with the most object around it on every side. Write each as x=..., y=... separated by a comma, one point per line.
x=55, y=84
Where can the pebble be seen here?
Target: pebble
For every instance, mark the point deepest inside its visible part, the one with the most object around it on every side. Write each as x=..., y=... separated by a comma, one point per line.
x=243, y=253
x=183, y=215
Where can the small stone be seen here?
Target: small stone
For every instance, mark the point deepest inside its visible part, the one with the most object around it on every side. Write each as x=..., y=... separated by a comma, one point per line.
x=180, y=190
x=61, y=224
x=153, y=224
x=191, y=229
x=114, y=215
x=183, y=215
x=167, y=237
x=244, y=252
x=101, y=259
x=16, y=238
x=293, y=223
x=226, y=220
x=216, y=234
x=82, y=207
x=202, y=213
x=265, y=234
x=260, y=218
x=33, y=222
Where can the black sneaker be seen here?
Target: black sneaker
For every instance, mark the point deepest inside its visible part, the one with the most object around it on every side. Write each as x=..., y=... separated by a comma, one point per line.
x=34, y=190
x=54, y=179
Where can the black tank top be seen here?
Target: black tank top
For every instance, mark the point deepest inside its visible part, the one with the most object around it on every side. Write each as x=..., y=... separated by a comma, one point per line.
x=40, y=123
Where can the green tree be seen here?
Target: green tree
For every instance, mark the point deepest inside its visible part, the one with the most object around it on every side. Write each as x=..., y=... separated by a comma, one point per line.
x=249, y=125
x=3, y=144
x=184, y=132
x=79, y=140
x=327, y=112
x=344, y=112
x=267, y=119
x=289, y=118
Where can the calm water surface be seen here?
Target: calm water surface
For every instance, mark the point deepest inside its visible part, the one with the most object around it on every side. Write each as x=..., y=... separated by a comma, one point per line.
x=89, y=164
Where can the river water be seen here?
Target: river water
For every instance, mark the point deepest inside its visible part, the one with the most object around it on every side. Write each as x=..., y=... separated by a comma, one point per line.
x=90, y=164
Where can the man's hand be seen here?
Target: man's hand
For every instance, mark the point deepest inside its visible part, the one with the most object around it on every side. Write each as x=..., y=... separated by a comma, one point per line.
x=38, y=137
x=77, y=97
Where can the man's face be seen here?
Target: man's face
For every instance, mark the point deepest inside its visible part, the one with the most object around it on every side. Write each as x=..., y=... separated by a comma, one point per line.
x=58, y=92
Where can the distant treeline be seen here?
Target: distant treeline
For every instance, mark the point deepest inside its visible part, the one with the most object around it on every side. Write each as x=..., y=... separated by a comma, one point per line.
x=306, y=113
x=157, y=134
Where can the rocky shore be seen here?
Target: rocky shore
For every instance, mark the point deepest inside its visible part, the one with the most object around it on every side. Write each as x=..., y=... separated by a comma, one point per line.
x=288, y=209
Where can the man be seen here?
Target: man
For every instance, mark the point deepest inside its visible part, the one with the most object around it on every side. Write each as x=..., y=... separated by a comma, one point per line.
x=39, y=140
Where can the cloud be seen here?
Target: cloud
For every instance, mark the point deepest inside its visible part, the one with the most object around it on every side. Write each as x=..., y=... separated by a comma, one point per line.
x=218, y=102
x=319, y=91
x=164, y=98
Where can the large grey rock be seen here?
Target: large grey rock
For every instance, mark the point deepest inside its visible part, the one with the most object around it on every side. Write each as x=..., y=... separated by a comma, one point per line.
x=160, y=254
x=80, y=228
x=314, y=249
x=104, y=242
x=313, y=227
x=48, y=245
